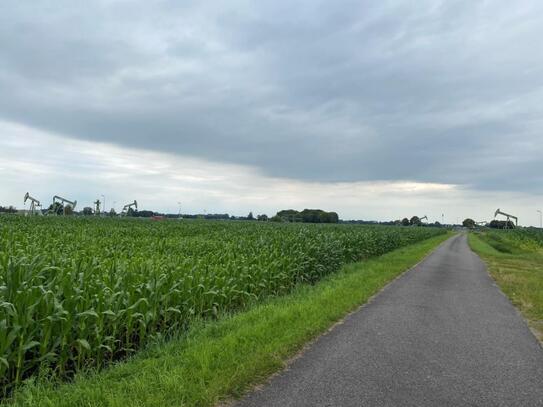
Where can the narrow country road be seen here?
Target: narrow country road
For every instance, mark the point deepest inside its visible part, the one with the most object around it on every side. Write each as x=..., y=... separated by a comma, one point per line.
x=441, y=335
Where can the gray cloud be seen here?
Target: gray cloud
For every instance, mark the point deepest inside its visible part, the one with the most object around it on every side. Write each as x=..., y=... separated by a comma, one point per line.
x=445, y=92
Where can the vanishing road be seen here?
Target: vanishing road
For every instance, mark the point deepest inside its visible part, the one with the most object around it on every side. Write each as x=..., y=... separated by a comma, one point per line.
x=441, y=335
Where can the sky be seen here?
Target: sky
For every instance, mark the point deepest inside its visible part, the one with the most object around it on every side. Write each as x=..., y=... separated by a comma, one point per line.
x=376, y=110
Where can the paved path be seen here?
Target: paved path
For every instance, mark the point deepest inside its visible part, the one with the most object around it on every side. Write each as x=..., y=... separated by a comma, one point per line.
x=441, y=335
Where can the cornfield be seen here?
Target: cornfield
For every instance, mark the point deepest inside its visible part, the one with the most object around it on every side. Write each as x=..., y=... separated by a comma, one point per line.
x=77, y=293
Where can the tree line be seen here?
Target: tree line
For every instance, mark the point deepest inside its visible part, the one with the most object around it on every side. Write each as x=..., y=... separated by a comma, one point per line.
x=306, y=216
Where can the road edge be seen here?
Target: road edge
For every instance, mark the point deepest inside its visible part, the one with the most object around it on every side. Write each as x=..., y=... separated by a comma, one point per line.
x=307, y=346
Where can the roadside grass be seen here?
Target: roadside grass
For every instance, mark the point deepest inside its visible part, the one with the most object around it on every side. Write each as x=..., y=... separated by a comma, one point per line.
x=218, y=361
x=519, y=273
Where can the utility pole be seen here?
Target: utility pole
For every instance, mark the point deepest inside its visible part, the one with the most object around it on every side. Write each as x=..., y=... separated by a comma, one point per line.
x=104, y=202
x=540, y=219
x=179, y=212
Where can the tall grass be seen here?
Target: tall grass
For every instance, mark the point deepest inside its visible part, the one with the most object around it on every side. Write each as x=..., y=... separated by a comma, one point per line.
x=76, y=293
x=515, y=260
x=515, y=241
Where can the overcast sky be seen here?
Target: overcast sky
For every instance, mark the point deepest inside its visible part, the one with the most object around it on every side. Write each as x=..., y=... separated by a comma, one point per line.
x=377, y=110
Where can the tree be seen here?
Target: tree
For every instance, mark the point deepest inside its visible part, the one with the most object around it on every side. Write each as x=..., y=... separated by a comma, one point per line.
x=290, y=215
x=250, y=216
x=501, y=224
x=112, y=212
x=8, y=209
x=262, y=218
x=87, y=211
x=308, y=216
x=56, y=208
x=468, y=223
x=143, y=214
x=314, y=216
x=415, y=221
x=405, y=222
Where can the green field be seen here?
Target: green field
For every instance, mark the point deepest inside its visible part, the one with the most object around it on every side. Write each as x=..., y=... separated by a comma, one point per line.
x=81, y=293
x=515, y=260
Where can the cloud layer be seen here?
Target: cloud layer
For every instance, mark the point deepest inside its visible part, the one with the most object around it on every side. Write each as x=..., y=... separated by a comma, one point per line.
x=83, y=171
x=443, y=92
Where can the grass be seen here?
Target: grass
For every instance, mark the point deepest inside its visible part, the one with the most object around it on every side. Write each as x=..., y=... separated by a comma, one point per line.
x=518, y=270
x=217, y=361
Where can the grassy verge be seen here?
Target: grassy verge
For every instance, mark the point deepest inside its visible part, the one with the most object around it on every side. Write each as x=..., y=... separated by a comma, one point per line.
x=519, y=273
x=219, y=360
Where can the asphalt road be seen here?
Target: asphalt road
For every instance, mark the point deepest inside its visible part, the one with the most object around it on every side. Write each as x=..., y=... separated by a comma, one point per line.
x=441, y=335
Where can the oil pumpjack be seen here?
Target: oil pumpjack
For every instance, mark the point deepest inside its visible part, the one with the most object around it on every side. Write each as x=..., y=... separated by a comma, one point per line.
x=59, y=201
x=34, y=205
x=129, y=206
x=507, y=215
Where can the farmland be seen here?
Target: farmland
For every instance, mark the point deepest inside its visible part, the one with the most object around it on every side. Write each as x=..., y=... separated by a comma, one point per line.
x=78, y=293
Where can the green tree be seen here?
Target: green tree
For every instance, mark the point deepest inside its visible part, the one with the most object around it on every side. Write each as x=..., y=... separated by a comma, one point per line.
x=56, y=208
x=405, y=222
x=8, y=209
x=501, y=224
x=309, y=216
x=415, y=221
x=290, y=215
x=468, y=223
